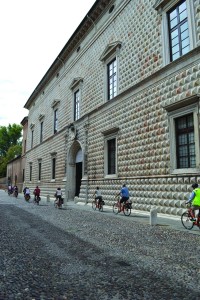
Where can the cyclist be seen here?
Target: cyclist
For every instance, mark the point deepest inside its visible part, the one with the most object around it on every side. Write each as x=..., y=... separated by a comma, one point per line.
x=195, y=199
x=26, y=192
x=97, y=195
x=37, y=193
x=58, y=196
x=124, y=193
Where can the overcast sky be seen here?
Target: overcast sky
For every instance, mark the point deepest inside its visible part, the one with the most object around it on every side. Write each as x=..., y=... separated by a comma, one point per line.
x=32, y=32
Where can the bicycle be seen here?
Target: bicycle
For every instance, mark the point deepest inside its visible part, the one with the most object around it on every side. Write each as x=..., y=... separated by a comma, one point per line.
x=97, y=205
x=125, y=207
x=37, y=199
x=186, y=219
x=58, y=203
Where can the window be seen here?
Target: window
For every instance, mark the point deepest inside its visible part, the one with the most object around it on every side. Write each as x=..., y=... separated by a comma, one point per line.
x=77, y=88
x=110, y=59
x=178, y=28
x=39, y=170
x=41, y=132
x=32, y=134
x=185, y=149
x=76, y=105
x=55, y=120
x=53, y=168
x=24, y=146
x=30, y=172
x=110, y=152
x=178, y=31
x=112, y=79
x=111, y=149
x=184, y=136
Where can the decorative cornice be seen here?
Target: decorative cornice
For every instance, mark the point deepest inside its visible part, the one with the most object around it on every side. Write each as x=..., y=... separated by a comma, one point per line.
x=97, y=10
x=41, y=117
x=110, y=49
x=55, y=103
x=76, y=82
x=32, y=125
x=111, y=130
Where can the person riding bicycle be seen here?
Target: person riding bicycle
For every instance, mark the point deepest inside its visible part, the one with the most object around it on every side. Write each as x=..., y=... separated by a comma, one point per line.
x=195, y=199
x=37, y=192
x=58, y=196
x=26, y=191
x=124, y=193
x=98, y=196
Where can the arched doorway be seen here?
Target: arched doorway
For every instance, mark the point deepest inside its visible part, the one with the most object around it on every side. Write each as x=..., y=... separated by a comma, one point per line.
x=74, y=170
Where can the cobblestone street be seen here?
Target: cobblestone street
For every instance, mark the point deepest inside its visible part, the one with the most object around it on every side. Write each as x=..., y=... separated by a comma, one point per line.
x=74, y=253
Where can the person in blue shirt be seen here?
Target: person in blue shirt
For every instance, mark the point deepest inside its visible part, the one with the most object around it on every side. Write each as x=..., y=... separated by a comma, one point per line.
x=124, y=193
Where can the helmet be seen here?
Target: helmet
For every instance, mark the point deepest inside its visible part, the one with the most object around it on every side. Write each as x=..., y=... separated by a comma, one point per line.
x=195, y=185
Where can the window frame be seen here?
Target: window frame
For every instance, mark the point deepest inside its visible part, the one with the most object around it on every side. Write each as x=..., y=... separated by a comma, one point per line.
x=110, y=135
x=111, y=53
x=53, y=168
x=41, y=131
x=30, y=172
x=172, y=116
x=163, y=9
x=76, y=105
x=39, y=170
x=111, y=79
x=55, y=121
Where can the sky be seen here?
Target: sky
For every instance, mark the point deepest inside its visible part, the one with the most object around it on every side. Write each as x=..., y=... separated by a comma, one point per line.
x=32, y=34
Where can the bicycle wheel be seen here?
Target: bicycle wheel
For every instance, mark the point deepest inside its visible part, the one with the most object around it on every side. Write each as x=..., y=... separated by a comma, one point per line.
x=127, y=211
x=115, y=208
x=185, y=219
x=93, y=205
x=100, y=207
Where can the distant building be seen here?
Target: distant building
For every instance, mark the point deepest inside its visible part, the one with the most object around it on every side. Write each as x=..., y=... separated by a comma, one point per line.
x=120, y=104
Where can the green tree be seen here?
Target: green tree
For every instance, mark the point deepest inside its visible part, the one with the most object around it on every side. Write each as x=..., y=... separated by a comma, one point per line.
x=10, y=145
x=9, y=136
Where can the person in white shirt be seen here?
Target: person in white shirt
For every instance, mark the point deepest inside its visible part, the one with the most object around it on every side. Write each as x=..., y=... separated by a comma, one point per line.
x=97, y=195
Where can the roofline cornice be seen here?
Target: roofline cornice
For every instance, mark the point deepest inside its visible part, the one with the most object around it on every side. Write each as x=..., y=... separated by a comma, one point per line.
x=85, y=26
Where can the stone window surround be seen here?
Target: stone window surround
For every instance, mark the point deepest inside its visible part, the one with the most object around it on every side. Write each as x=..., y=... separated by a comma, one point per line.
x=111, y=51
x=76, y=85
x=163, y=6
x=110, y=133
x=181, y=108
x=53, y=156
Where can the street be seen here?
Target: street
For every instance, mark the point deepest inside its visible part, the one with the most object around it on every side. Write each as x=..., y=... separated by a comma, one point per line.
x=73, y=253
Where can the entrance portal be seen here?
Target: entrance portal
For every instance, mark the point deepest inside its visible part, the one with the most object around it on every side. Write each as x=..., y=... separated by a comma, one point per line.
x=79, y=159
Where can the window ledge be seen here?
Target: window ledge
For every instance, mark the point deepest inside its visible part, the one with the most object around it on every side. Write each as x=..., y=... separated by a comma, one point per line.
x=111, y=176
x=185, y=171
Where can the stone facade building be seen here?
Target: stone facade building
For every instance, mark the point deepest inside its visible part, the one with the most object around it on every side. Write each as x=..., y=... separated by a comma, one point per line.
x=120, y=104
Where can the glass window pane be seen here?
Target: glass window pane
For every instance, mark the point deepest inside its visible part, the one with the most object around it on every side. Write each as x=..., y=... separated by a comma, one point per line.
x=173, y=22
x=183, y=15
x=173, y=14
x=184, y=26
x=183, y=162
x=182, y=139
x=175, y=56
x=191, y=137
x=185, y=50
x=174, y=34
x=185, y=42
x=192, y=161
x=182, y=7
x=175, y=41
x=175, y=49
x=184, y=34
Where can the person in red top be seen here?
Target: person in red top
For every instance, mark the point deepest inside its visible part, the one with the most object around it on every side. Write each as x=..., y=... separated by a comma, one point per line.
x=37, y=193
